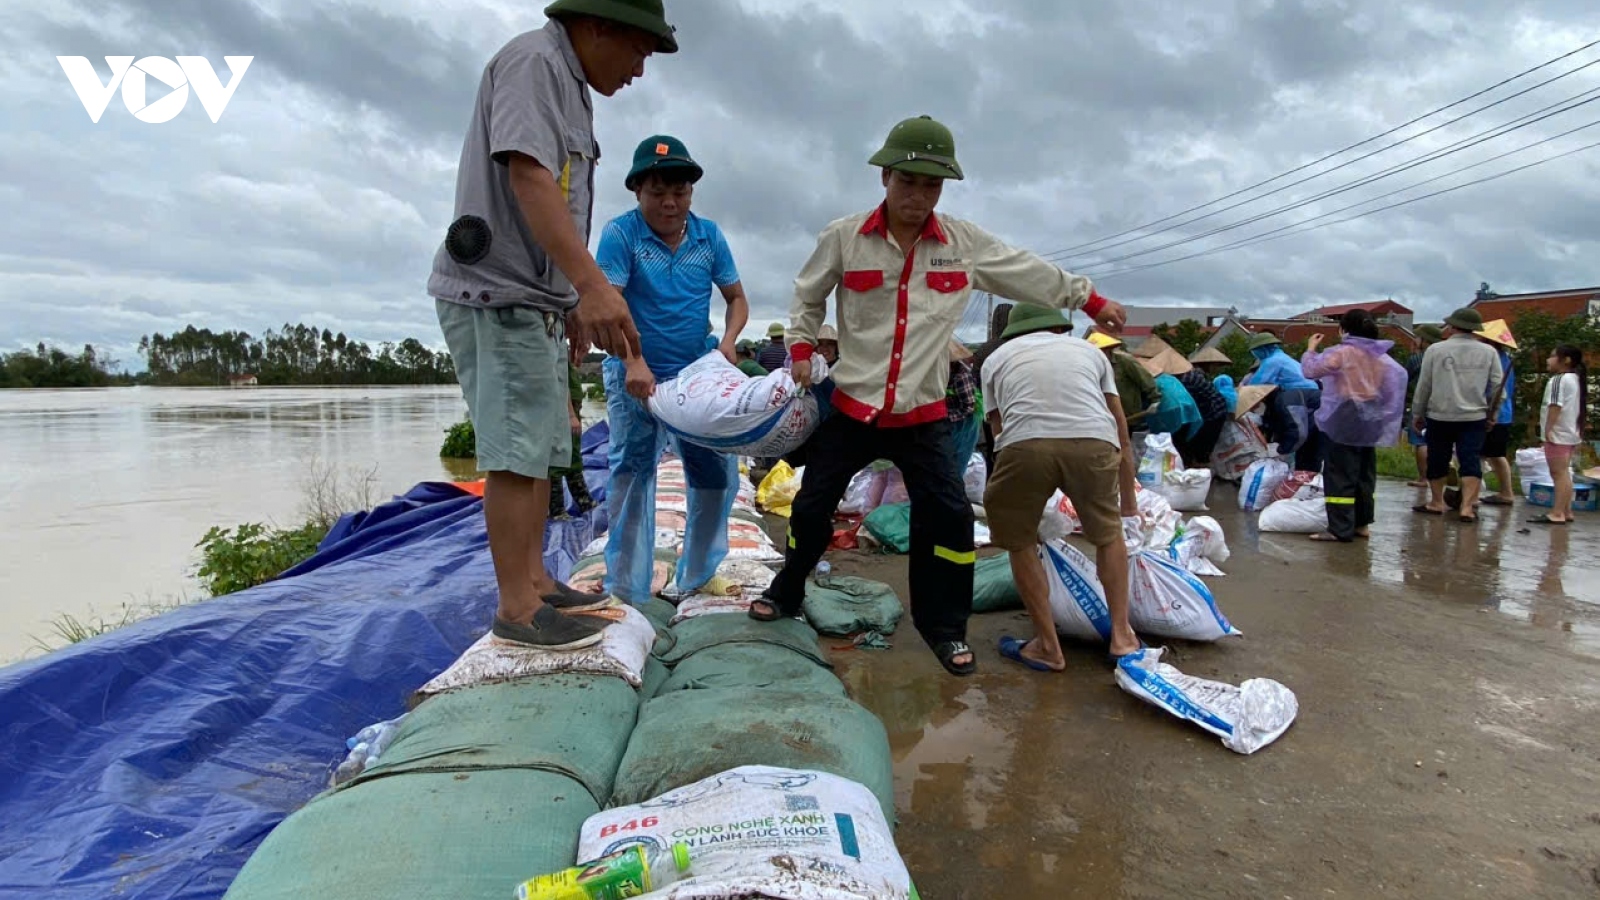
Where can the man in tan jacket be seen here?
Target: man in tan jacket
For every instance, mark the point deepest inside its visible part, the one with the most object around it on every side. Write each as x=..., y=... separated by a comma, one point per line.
x=902, y=276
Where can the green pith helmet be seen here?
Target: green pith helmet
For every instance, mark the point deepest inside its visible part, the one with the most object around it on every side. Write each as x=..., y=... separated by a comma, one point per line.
x=1264, y=339
x=1026, y=318
x=645, y=15
x=661, y=153
x=920, y=146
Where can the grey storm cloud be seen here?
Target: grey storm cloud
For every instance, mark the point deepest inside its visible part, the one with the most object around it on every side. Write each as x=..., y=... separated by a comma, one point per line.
x=323, y=192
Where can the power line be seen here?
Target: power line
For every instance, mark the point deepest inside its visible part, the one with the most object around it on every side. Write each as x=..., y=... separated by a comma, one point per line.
x=1069, y=251
x=1342, y=165
x=1299, y=228
x=1466, y=143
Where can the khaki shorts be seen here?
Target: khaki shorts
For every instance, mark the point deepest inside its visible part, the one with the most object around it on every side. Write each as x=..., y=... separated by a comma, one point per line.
x=512, y=365
x=1027, y=473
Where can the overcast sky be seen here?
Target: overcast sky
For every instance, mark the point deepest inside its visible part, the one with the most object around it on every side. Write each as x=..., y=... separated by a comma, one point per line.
x=324, y=190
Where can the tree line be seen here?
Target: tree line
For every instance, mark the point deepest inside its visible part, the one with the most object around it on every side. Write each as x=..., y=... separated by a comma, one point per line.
x=200, y=357
x=292, y=355
x=52, y=367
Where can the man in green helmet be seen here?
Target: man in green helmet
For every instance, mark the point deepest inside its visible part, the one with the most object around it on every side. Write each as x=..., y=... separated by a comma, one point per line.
x=902, y=275
x=517, y=293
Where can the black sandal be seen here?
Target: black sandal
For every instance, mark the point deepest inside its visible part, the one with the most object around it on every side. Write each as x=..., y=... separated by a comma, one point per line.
x=772, y=614
x=948, y=651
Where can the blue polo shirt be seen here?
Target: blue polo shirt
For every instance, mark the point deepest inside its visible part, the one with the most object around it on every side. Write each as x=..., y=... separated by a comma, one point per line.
x=669, y=293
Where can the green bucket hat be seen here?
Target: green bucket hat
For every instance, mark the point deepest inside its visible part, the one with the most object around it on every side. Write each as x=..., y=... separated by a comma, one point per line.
x=1430, y=333
x=1264, y=339
x=920, y=146
x=1465, y=319
x=775, y=330
x=645, y=15
x=661, y=153
x=1026, y=318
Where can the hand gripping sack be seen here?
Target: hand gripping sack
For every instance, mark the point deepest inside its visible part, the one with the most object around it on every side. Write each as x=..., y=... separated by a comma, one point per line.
x=714, y=405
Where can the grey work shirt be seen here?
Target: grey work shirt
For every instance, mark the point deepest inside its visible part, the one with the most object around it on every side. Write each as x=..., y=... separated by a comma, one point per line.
x=1458, y=377
x=533, y=100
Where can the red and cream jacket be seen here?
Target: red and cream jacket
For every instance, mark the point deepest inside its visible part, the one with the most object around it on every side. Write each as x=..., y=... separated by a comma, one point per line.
x=897, y=311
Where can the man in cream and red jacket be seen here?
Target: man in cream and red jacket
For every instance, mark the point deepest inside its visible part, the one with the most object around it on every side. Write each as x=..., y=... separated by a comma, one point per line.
x=902, y=276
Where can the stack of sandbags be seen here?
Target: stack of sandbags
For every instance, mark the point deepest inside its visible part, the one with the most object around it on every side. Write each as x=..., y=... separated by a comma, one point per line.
x=748, y=693
x=480, y=789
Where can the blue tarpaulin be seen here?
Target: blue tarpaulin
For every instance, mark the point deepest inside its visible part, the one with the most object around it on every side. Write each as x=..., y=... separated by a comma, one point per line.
x=150, y=761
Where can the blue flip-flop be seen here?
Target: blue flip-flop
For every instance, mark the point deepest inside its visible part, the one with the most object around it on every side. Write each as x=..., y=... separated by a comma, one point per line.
x=1115, y=658
x=1011, y=648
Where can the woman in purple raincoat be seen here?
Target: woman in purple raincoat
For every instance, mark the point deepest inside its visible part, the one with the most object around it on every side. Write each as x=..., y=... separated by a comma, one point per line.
x=1363, y=401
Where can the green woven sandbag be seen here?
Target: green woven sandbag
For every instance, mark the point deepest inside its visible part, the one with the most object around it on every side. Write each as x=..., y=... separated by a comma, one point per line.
x=845, y=605
x=685, y=736
x=993, y=588
x=654, y=675
x=658, y=611
x=751, y=666
x=694, y=635
x=576, y=725
x=890, y=524
x=463, y=836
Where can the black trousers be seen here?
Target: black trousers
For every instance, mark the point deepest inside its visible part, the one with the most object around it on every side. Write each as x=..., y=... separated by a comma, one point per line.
x=1196, y=450
x=942, y=554
x=1350, y=481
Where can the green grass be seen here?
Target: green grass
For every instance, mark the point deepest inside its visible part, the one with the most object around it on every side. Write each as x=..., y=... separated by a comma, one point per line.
x=67, y=629
x=1397, y=462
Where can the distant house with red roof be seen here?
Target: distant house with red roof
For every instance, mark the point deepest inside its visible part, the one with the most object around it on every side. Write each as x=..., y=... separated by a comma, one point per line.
x=1560, y=304
x=1380, y=309
x=1395, y=323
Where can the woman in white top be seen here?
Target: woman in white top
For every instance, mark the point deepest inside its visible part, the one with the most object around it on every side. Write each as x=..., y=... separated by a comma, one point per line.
x=1561, y=426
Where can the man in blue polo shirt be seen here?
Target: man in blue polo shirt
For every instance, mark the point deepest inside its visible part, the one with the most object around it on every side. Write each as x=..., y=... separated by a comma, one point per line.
x=665, y=261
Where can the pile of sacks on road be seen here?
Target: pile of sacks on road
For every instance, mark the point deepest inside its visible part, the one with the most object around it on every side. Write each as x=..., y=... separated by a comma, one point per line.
x=1289, y=501
x=876, y=506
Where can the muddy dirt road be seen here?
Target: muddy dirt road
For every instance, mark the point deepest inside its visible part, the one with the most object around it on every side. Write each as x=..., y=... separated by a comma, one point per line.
x=1448, y=743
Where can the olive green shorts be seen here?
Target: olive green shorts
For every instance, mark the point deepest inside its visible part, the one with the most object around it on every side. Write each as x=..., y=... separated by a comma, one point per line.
x=512, y=366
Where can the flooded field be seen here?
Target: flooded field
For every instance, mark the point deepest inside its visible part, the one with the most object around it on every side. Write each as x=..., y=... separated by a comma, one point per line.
x=105, y=492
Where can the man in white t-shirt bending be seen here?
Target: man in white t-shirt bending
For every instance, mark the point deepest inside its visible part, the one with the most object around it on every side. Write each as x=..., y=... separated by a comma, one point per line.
x=1054, y=407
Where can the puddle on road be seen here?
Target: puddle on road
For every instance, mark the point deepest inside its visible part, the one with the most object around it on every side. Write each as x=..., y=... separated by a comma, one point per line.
x=962, y=767
x=1539, y=575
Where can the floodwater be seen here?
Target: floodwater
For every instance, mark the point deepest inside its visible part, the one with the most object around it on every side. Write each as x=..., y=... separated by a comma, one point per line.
x=1448, y=741
x=104, y=493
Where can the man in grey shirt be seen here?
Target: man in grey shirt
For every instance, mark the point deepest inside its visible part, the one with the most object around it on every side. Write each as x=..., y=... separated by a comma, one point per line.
x=518, y=294
x=1459, y=375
